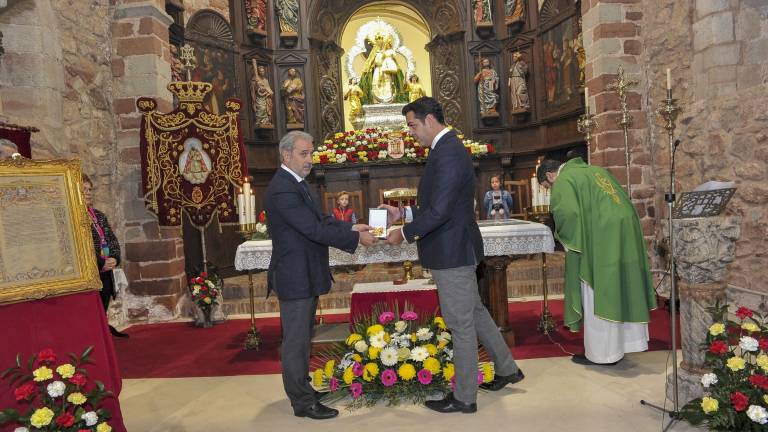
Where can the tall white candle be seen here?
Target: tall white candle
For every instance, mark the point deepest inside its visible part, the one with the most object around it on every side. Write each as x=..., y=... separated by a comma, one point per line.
x=586, y=100
x=241, y=209
x=534, y=191
x=247, y=200
x=252, y=208
x=669, y=79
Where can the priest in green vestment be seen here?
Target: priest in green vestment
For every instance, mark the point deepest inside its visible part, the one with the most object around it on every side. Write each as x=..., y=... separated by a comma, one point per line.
x=608, y=286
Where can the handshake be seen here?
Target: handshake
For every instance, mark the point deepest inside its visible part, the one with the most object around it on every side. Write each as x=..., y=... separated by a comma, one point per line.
x=380, y=218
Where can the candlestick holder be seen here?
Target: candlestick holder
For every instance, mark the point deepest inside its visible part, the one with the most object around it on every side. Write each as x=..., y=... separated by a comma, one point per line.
x=253, y=338
x=585, y=125
x=546, y=323
x=620, y=85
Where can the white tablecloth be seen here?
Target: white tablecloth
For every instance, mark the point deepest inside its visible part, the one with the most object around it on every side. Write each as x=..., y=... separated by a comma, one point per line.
x=388, y=286
x=511, y=238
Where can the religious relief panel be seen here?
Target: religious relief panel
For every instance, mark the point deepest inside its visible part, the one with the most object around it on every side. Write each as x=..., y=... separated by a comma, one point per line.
x=262, y=96
x=514, y=14
x=292, y=90
x=288, y=19
x=256, y=17
x=481, y=10
x=561, y=69
x=518, y=86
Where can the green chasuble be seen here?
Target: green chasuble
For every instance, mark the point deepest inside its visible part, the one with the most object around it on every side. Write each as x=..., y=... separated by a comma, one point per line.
x=598, y=225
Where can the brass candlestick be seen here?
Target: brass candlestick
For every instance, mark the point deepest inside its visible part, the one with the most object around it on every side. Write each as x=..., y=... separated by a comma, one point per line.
x=546, y=323
x=253, y=339
x=625, y=119
x=585, y=125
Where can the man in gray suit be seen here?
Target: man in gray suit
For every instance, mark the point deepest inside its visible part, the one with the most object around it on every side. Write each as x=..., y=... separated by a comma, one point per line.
x=298, y=270
x=450, y=245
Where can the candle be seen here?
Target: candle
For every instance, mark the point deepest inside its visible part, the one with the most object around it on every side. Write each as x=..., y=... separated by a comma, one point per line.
x=252, y=207
x=240, y=207
x=586, y=100
x=669, y=79
x=247, y=201
x=534, y=190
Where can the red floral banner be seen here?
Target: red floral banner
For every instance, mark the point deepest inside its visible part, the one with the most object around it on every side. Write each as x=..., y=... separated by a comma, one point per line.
x=192, y=159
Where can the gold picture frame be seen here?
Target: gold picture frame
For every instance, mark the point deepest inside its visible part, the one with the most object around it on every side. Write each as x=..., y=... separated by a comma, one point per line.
x=46, y=248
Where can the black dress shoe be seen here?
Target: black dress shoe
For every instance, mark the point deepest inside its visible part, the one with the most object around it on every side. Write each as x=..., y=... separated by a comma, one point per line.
x=499, y=381
x=450, y=405
x=317, y=411
x=116, y=333
x=583, y=360
x=319, y=395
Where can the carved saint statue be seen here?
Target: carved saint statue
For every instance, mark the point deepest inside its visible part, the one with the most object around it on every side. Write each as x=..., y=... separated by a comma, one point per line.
x=261, y=95
x=256, y=13
x=382, y=79
x=487, y=83
x=482, y=9
x=414, y=89
x=293, y=97
x=513, y=11
x=354, y=95
x=518, y=88
x=288, y=15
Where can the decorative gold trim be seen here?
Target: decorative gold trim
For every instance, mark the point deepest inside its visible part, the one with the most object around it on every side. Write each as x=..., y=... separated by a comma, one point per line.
x=607, y=187
x=86, y=275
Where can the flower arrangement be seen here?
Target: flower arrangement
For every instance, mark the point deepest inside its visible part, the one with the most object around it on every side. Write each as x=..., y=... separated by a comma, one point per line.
x=735, y=390
x=205, y=289
x=261, y=232
x=373, y=144
x=57, y=395
x=392, y=356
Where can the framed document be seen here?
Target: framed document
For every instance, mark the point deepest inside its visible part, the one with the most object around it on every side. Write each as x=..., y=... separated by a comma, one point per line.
x=45, y=237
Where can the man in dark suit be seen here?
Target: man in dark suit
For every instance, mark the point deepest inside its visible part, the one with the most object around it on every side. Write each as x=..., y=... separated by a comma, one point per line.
x=450, y=246
x=298, y=271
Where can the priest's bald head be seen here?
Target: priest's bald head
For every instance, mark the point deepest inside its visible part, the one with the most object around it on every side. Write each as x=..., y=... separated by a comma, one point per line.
x=7, y=148
x=547, y=172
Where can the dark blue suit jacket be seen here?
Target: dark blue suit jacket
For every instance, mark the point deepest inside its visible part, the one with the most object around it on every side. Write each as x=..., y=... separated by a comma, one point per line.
x=301, y=235
x=444, y=226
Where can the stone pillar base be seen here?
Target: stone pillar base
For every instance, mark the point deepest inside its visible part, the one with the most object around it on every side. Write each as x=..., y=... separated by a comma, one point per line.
x=688, y=387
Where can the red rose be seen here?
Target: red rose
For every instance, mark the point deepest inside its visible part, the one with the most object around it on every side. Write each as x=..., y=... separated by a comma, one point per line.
x=25, y=392
x=759, y=381
x=743, y=313
x=200, y=280
x=739, y=401
x=46, y=355
x=323, y=158
x=204, y=275
x=763, y=343
x=203, y=288
x=491, y=148
x=263, y=216
x=66, y=420
x=718, y=347
x=78, y=379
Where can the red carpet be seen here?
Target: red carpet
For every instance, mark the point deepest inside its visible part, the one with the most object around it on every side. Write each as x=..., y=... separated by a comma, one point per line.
x=180, y=350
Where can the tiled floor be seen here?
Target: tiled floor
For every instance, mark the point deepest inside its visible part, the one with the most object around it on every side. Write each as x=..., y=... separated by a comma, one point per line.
x=556, y=395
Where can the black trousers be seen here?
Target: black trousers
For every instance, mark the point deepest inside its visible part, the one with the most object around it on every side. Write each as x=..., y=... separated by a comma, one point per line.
x=298, y=321
x=107, y=288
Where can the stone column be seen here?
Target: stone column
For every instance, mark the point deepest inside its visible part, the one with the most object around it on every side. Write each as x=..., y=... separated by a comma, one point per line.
x=704, y=246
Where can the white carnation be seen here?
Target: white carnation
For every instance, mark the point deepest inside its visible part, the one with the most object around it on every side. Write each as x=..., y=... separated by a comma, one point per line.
x=419, y=354
x=377, y=340
x=90, y=418
x=262, y=228
x=361, y=346
x=448, y=354
x=424, y=334
x=748, y=343
x=400, y=326
x=708, y=379
x=444, y=336
x=388, y=356
x=56, y=389
x=21, y=429
x=757, y=414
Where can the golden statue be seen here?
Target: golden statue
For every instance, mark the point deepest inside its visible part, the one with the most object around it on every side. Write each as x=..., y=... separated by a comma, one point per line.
x=354, y=95
x=382, y=79
x=414, y=89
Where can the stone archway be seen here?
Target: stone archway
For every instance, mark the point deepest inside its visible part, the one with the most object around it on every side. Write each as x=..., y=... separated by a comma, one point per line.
x=445, y=20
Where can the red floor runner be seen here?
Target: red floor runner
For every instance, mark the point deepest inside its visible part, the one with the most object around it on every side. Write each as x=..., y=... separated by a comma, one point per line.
x=180, y=350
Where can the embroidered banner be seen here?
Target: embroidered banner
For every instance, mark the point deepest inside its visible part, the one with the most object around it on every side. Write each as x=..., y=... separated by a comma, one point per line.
x=191, y=159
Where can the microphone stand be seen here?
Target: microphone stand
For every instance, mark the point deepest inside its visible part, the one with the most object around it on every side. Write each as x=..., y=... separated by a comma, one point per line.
x=669, y=112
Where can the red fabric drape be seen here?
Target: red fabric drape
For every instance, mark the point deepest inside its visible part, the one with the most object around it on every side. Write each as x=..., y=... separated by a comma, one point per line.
x=65, y=324
x=20, y=138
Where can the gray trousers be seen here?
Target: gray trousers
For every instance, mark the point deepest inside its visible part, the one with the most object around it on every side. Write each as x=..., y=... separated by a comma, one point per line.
x=298, y=321
x=468, y=320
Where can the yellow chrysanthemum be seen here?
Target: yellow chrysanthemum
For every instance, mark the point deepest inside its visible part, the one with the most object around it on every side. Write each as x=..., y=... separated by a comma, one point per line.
x=413, y=337
x=370, y=372
x=66, y=370
x=372, y=330
x=317, y=378
x=207, y=300
x=762, y=361
x=432, y=364
x=354, y=337
x=431, y=348
x=750, y=327
x=439, y=322
x=448, y=371
x=41, y=417
x=403, y=353
x=406, y=371
x=357, y=358
x=103, y=427
x=765, y=399
x=387, y=338
x=329, y=365
x=373, y=352
x=488, y=372
x=349, y=376
x=709, y=405
x=717, y=329
x=42, y=373
x=77, y=398
x=735, y=363
x=442, y=344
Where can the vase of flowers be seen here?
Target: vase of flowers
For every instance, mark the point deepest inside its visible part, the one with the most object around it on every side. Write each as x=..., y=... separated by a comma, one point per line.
x=261, y=232
x=59, y=393
x=205, y=293
x=392, y=356
x=736, y=351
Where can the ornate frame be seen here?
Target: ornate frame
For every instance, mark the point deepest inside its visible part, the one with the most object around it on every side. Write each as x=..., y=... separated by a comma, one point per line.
x=60, y=182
